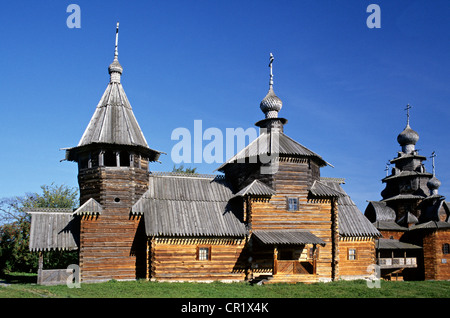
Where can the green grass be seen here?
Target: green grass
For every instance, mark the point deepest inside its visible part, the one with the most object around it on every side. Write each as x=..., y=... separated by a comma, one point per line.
x=146, y=289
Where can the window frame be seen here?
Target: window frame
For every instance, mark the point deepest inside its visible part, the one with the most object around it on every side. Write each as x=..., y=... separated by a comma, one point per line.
x=352, y=254
x=445, y=248
x=200, y=257
x=288, y=205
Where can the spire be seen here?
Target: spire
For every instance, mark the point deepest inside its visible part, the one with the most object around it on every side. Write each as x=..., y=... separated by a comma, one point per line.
x=115, y=69
x=116, y=52
x=271, y=104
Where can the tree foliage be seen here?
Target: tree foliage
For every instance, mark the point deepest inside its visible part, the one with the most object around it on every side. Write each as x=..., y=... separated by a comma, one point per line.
x=15, y=228
x=182, y=169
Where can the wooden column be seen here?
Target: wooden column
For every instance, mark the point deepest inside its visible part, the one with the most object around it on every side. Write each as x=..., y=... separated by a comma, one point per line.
x=275, y=260
x=40, y=267
x=314, y=259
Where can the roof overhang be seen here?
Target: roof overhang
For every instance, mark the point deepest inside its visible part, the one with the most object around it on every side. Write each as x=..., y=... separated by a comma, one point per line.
x=287, y=237
x=72, y=153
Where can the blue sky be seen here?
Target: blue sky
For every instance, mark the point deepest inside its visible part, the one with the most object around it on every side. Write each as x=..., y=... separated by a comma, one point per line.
x=343, y=85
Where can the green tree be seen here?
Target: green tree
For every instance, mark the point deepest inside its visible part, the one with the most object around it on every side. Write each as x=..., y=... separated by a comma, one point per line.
x=15, y=228
x=181, y=169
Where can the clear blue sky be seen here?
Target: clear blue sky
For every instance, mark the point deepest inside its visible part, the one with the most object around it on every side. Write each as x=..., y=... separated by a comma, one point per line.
x=344, y=86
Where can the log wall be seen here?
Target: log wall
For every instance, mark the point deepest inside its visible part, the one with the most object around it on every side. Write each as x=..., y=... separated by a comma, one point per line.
x=112, y=244
x=177, y=259
x=365, y=256
x=437, y=264
x=294, y=179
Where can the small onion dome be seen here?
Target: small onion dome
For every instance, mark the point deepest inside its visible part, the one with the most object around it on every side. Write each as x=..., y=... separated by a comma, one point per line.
x=271, y=104
x=407, y=137
x=115, y=67
x=433, y=183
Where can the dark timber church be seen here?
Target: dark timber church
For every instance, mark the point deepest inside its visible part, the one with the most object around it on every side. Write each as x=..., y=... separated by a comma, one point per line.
x=288, y=225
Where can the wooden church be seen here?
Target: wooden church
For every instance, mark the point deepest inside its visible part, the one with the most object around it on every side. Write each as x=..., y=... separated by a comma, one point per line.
x=269, y=215
x=412, y=217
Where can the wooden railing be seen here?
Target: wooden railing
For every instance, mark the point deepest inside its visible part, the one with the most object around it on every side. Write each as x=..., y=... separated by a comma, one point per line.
x=397, y=262
x=294, y=267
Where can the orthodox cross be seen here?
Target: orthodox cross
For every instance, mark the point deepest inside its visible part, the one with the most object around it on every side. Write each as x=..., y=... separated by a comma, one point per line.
x=387, y=169
x=433, y=155
x=116, y=52
x=270, y=66
x=408, y=107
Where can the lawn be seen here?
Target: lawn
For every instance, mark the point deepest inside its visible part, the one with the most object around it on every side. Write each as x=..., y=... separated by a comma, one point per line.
x=147, y=289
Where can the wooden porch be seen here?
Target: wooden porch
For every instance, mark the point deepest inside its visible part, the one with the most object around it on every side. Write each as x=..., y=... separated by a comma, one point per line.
x=290, y=270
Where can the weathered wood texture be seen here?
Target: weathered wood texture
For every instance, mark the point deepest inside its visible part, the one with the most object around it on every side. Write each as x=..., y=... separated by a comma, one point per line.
x=396, y=235
x=293, y=179
x=53, y=276
x=112, y=244
x=112, y=247
x=364, y=257
x=177, y=260
x=437, y=264
x=105, y=184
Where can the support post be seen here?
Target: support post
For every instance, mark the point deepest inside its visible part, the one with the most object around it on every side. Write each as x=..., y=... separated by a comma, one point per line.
x=275, y=260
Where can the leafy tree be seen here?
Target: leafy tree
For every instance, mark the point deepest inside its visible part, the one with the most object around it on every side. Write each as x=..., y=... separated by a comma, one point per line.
x=15, y=229
x=181, y=169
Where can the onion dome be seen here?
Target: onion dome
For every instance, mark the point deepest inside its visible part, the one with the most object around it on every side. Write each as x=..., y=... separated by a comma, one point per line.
x=433, y=184
x=271, y=104
x=408, y=137
x=115, y=67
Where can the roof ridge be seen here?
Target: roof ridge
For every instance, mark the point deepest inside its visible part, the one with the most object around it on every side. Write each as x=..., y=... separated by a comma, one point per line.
x=186, y=175
x=337, y=180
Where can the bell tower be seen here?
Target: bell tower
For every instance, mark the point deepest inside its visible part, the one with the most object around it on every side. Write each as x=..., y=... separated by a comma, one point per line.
x=113, y=169
x=113, y=155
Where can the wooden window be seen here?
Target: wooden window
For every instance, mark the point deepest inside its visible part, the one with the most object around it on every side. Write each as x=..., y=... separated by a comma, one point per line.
x=204, y=253
x=351, y=254
x=292, y=204
x=446, y=248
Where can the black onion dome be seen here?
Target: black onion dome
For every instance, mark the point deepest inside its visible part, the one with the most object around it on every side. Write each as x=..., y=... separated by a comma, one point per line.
x=433, y=183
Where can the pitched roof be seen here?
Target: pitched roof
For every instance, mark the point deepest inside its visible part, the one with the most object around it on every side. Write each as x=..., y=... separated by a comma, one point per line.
x=351, y=222
x=273, y=143
x=256, y=188
x=196, y=205
x=89, y=207
x=388, y=244
x=431, y=225
x=53, y=229
x=320, y=189
x=287, y=237
x=389, y=226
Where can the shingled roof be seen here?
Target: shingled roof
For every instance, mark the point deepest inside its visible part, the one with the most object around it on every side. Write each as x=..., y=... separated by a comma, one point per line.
x=276, y=144
x=351, y=222
x=189, y=205
x=113, y=122
x=53, y=229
